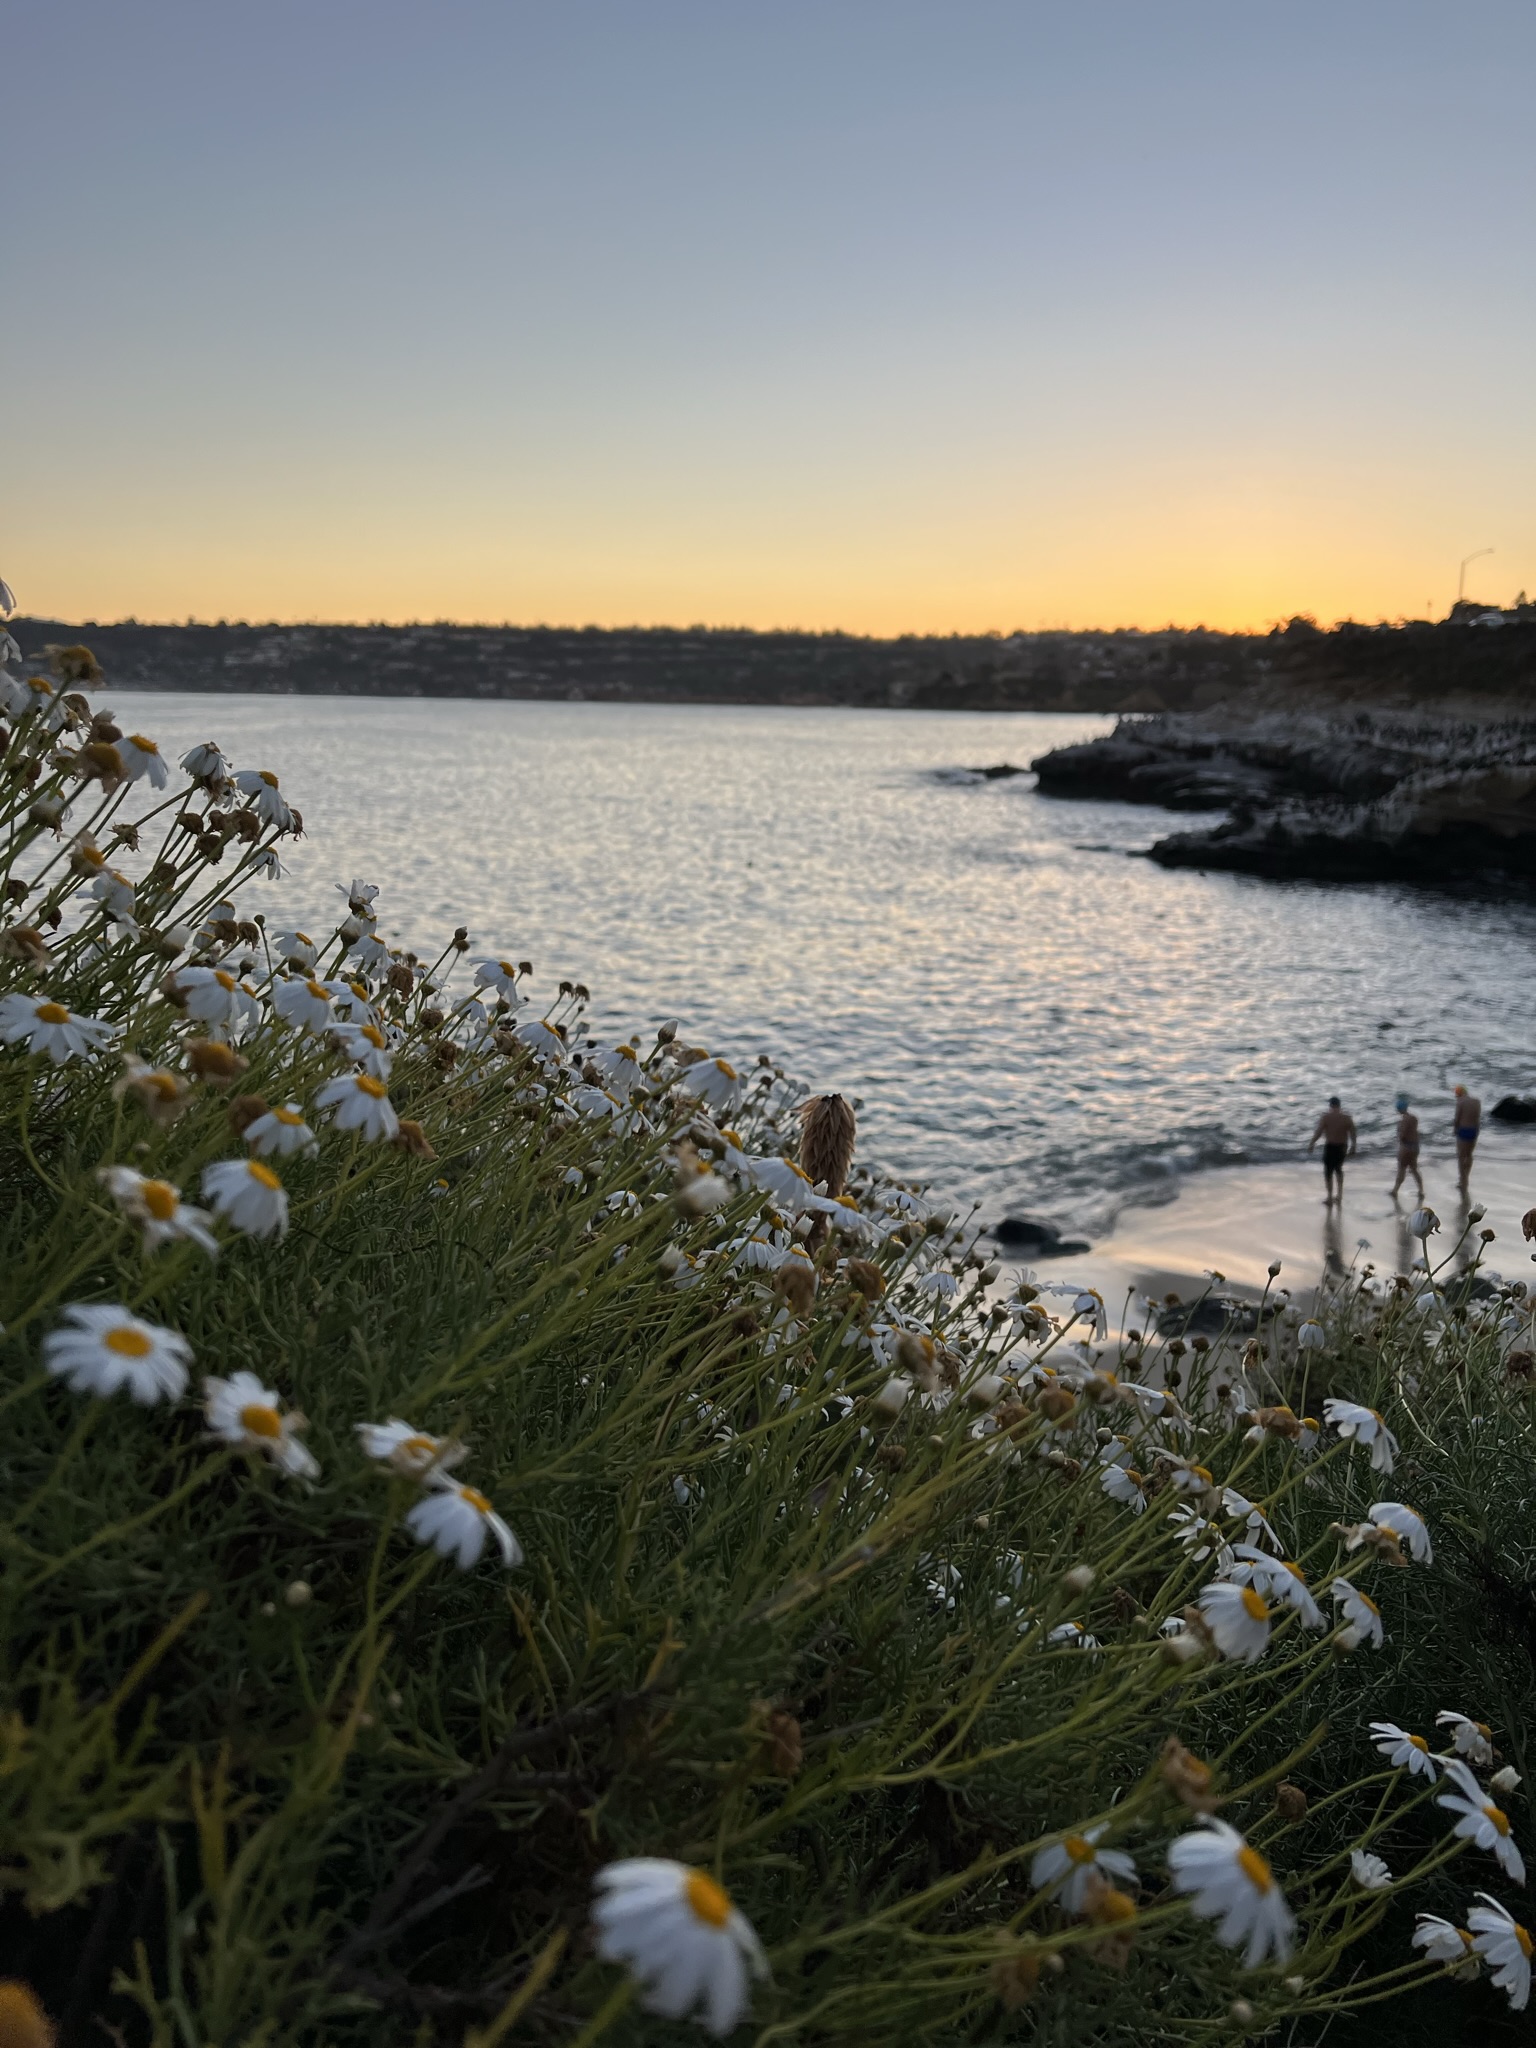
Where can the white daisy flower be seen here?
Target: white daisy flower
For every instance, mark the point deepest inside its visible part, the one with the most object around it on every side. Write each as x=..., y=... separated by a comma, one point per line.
x=1423, y=1223
x=361, y=897
x=620, y=1068
x=1481, y=1821
x=1126, y=1485
x=141, y=757
x=241, y=1411
x=280, y=1133
x=268, y=866
x=360, y=1103
x=1076, y=1859
x=1074, y=1635
x=1368, y=1871
x=1277, y=1578
x=689, y=1949
x=353, y=1001
x=1506, y=1947
x=1361, y=1617
x=298, y=949
x=248, y=1195
x=1201, y=1537
x=1408, y=1525
x=370, y=952
x=45, y=698
x=1441, y=1941
x=1238, y=1618
x=1403, y=1751
x=115, y=893
x=1232, y=1884
x=1363, y=1426
x=260, y=785
x=51, y=1028
x=212, y=995
x=1089, y=1304
x=500, y=976
x=1469, y=1738
x=455, y=1519
x=1186, y=1476
x=411, y=1452
x=367, y=1047
x=305, y=1004
x=104, y=1347
x=157, y=1208
x=205, y=763
x=1311, y=1336
x=715, y=1083
x=542, y=1038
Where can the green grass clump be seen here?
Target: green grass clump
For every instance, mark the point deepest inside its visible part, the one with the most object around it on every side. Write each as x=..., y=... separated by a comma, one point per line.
x=835, y=1573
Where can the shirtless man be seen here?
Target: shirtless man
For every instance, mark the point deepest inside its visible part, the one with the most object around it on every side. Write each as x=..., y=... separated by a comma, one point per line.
x=1407, y=1148
x=1468, y=1122
x=1337, y=1132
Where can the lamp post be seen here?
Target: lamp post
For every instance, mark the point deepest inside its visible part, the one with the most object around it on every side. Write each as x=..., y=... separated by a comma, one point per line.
x=1461, y=580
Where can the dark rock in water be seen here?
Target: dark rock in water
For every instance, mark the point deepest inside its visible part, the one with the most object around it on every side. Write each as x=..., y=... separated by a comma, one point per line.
x=1208, y=1318
x=999, y=771
x=1126, y=767
x=1020, y=1234
x=1514, y=1109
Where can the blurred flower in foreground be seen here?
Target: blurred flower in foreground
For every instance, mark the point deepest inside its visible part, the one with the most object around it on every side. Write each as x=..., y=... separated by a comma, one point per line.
x=1076, y=1859
x=1232, y=1884
x=409, y=1451
x=52, y=1028
x=245, y=1413
x=1480, y=1820
x=105, y=1347
x=455, y=1519
x=1506, y=1947
x=687, y=1946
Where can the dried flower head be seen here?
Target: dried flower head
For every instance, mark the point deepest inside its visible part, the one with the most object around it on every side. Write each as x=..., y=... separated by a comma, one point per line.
x=827, y=1131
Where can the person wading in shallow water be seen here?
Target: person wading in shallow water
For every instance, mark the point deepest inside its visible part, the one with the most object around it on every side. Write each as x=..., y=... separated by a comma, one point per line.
x=1468, y=1121
x=1407, y=1148
x=1337, y=1132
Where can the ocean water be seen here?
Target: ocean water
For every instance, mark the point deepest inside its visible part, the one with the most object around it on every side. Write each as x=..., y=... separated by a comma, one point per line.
x=1031, y=1015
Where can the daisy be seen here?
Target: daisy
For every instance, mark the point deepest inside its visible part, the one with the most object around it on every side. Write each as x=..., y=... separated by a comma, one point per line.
x=1361, y=1616
x=686, y=1945
x=260, y=785
x=1369, y=1872
x=1472, y=1739
x=106, y=1347
x=211, y=994
x=281, y=1133
x=1506, y=1947
x=142, y=757
x=162, y=1095
x=304, y=1004
x=298, y=949
x=1481, y=1821
x=248, y=1195
x=1233, y=1884
x=114, y=892
x=1405, y=1752
x=353, y=1001
x=52, y=1028
x=410, y=1451
x=715, y=1083
x=244, y=1412
x=1188, y=1477
x=1311, y=1336
x=157, y=1208
x=1423, y=1223
x=454, y=1518
x=361, y=1104
x=1089, y=1304
x=205, y=763
x=1278, y=1579
x=1074, y=1635
x=543, y=1038
x=361, y=897
x=1408, y=1525
x=1364, y=1426
x=370, y=952
x=367, y=1047
x=1126, y=1485
x=1077, y=1859
x=1238, y=1619
x=499, y=976
x=1440, y=1940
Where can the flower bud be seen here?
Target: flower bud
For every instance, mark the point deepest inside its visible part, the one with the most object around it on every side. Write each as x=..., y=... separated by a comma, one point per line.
x=1079, y=1580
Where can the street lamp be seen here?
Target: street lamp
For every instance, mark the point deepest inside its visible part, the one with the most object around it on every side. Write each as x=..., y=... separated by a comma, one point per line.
x=1461, y=580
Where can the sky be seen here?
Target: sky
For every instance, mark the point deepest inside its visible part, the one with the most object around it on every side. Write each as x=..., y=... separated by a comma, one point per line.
x=857, y=314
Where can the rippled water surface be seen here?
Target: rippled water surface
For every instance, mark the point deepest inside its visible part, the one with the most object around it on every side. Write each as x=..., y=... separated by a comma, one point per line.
x=1030, y=1014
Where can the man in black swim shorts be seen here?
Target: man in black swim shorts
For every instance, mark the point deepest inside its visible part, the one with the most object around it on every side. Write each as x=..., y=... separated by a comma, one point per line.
x=1337, y=1132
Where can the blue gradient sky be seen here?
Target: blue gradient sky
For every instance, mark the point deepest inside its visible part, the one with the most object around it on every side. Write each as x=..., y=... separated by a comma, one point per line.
x=894, y=317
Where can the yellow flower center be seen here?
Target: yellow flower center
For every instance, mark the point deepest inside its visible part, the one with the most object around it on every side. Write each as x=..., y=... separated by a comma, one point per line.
x=51, y=1013
x=1253, y=1605
x=358, y=990
x=1295, y=1571
x=1254, y=1868
x=267, y=777
x=289, y=1116
x=159, y=1198
x=507, y=968
x=262, y=1175
x=137, y=739
x=166, y=1086
x=1201, y=1472
x=1418, y=1742
x=1134, y=1476
x=626, y=1052
x=1367, y=1602
x=374, y=1035
x=1524, y=1940
x=417, y=1446
x=706, y=1900
x=1113, y=1907
x=1079, y=1848
x=256, y=1419
x=476, y=1499
x=1499, y=1818
x=224, y=979
x=727, y=1069
x=371, y=1087
x=128, y=1342
x=319, y=991
x=303, y=938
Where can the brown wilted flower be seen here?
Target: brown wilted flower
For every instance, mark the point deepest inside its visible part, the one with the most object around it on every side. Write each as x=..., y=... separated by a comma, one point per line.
x=74, y=664
x=211, y=1060
x=85, y=856
x=1528, y=1224
x=917, y=1357
x=1106, y=1906
x=891, y=1456
x=1009, y=1414
x=25, y=942
x=827, y=1132
x=1520, y=1365
x=1015, y=1979
x=246, y=826
x=1055, y=1403
x=245, y=1109
x=99, y=761
x=445, y=1054
x=461, y=939
x=796, y=1281
x=782, y=1745
x=413, y=1139
x=1281, y=1422
x=1188, y=1778
x=866, y=1276
x=432, y=1020
x=1290, y=1801
x=400, y=978
x=161, y=1095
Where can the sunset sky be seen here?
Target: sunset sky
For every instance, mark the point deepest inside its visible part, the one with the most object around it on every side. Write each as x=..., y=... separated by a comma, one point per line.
x=824, y=313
